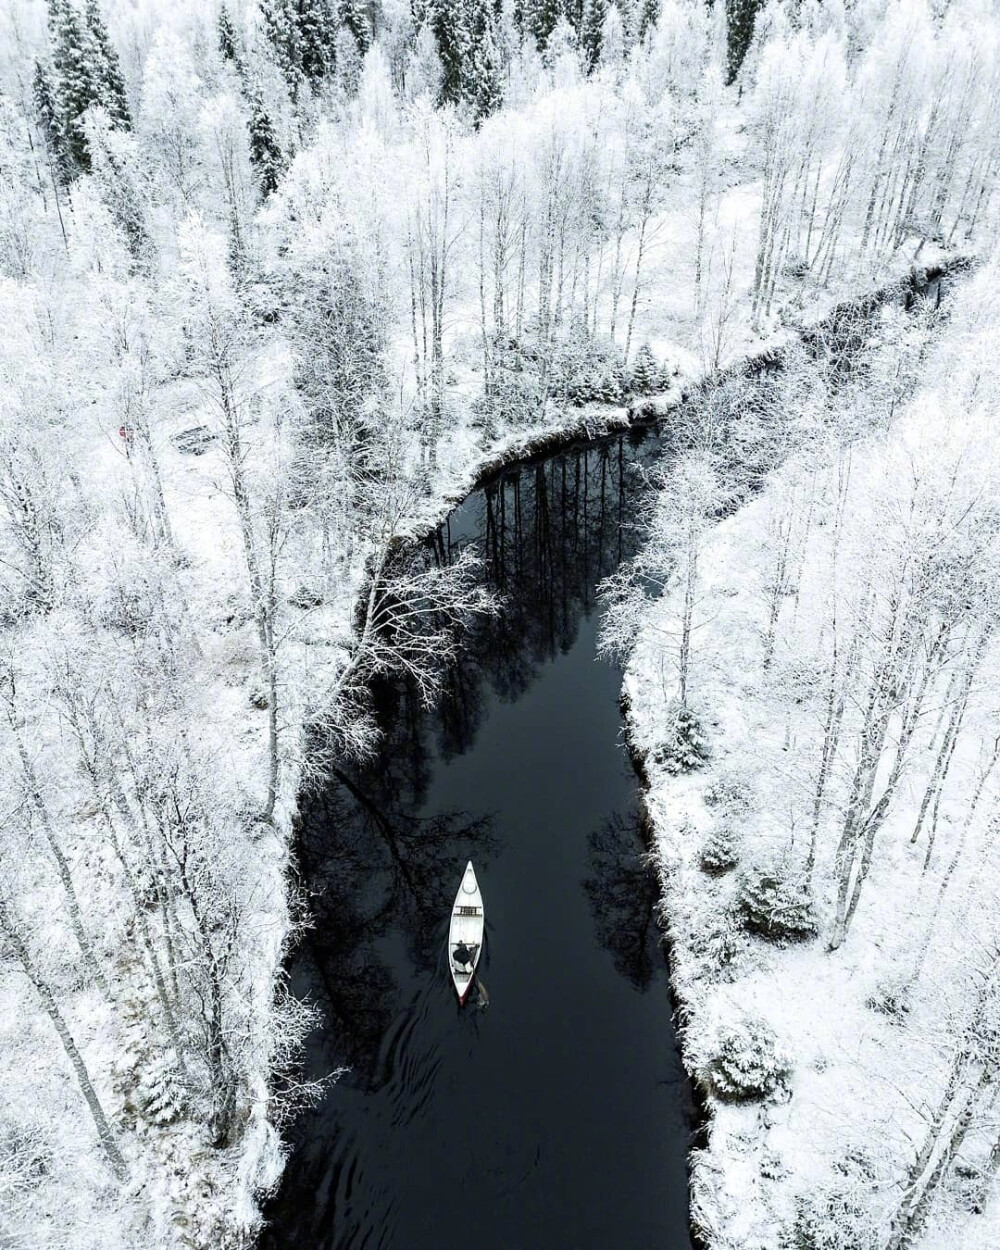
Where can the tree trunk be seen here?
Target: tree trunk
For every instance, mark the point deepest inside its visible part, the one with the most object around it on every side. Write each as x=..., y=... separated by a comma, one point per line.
x=62, y=866
x=106, y=1136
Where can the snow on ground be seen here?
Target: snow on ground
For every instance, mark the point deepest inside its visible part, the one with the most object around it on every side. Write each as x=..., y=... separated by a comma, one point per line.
x=847, y=1054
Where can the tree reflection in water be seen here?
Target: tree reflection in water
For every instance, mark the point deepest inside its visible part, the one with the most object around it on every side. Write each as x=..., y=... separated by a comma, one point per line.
x=623, y=896
x=380, y=867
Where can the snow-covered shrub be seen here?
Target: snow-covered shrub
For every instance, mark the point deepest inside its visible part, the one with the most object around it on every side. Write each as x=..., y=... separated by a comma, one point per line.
x=721, y=851
x=733, y=790
x=772, y=1166
x=842, y=1216
x=745, y=1062
x=123, y=586
x=588, y=369
x=718, y=941
x=891, y=997
x=645, y=374
x=306, y=597
x=515, y=397
x=25, y=1157
x=777, y=907
x=683, y=746
x=159, y=1096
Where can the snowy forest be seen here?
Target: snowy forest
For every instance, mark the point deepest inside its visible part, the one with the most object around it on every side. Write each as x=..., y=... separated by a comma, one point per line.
x=279, y=279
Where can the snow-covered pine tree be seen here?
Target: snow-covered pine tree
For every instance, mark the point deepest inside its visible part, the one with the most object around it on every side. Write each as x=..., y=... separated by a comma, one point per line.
x=483, y=80
x=648, y=14
x=113, y=162
x=87, y=72
x=228, y=39
x=265, y=151
x=645, y=371
x=107, y=69
x=740, y=15
x=450, y=23
x=317, y=29
x=540, y=17
x=51, y=124
x=354, y=15
x=572, y=11
x=303, y=34
x=631, y=17
x=75, y=83
x=282, y=34
x=591, y=27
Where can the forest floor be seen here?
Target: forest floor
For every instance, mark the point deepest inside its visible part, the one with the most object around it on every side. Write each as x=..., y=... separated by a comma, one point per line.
x=852, y=1048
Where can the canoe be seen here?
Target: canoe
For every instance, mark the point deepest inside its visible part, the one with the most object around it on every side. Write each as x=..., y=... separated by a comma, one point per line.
x=465, y=936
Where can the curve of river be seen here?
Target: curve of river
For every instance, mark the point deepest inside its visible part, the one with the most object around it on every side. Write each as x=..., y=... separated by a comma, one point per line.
x=559, y=1117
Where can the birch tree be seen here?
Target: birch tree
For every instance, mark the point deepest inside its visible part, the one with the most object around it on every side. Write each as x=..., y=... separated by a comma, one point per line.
x=223, y=335
x=432, y=236
x=12, y=938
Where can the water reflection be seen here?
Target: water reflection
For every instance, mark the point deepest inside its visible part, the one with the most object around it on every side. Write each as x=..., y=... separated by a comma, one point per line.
x=548, y=533
x=380, y=865
x=373, y=871
x=623, y=897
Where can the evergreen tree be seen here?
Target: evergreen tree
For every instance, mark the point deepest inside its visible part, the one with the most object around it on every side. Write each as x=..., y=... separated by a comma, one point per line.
x=317, y=26
x=107, y=69
x=740, y=16
x=228, y=42
x=630, y=12
x=449, y=21
x=354, y=15
x=50, y=123
x=303, y=34
x=75, y=82
x=573, y=11
x=648, y=16
x=87, y=72
x=113, y=160
x=265, y=151
x=483, y=83
x=541, y=17
x=592, y=27
x=282, y=34
x=645, y=371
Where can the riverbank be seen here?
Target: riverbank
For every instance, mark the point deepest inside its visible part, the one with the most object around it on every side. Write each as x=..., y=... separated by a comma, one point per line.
x=844, y=1098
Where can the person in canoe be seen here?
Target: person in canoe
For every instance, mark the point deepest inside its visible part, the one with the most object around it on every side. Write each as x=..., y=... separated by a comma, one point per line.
x=464, y=955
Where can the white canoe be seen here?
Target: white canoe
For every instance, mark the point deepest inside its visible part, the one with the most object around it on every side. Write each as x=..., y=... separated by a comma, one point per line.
x=465, y=936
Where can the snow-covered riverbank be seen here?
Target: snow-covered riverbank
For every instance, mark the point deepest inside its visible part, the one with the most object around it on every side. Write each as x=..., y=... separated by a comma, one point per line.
x=829, y=880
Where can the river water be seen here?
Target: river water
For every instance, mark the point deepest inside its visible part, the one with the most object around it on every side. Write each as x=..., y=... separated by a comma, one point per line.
x=558, y=1116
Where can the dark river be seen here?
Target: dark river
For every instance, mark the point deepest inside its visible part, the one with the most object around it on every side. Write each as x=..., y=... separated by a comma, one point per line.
x=558, y=1117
